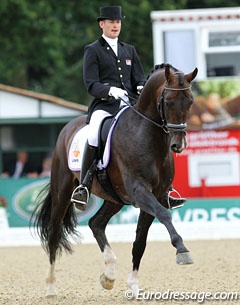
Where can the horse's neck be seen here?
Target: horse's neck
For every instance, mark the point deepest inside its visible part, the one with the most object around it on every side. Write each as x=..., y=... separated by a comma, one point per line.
x=160, y=141
x=147, y=104
x=151, y=92
x=148, y=132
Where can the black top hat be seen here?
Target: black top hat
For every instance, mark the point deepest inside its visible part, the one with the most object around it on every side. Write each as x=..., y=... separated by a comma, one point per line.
x=110, y=12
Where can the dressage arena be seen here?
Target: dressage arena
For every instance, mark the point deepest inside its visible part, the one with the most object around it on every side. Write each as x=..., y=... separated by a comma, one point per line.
x=216, y=268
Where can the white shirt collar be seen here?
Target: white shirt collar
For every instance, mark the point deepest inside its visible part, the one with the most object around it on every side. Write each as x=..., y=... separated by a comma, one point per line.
x=110, y=41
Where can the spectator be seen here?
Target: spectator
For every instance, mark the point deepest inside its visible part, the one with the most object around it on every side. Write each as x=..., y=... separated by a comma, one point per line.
x=46, y=167
x=19, y=167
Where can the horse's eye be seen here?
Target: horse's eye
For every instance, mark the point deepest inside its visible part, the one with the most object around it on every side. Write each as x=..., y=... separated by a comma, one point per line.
x=169, y=103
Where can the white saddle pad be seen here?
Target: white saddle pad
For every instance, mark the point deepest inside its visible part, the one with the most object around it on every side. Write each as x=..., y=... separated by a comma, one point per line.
x=76, y=150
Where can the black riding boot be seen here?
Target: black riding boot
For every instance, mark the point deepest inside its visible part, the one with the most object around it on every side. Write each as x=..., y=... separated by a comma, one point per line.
x=82, y=193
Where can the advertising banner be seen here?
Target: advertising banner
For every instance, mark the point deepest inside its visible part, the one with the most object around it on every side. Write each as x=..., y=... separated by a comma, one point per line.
x=210, y=165
x=22, y=197
x=22, y=194
x=197, y=219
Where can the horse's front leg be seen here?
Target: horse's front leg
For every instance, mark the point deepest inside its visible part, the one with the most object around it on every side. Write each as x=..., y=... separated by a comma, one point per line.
x=144, y=222
x=148, y=203
x=98, y=225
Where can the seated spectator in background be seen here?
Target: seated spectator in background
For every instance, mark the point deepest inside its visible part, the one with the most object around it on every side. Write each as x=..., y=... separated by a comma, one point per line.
x=46, y=168
x=19, y=167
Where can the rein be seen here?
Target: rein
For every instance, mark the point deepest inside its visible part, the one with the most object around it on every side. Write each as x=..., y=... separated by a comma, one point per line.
x=165, y=126
x=139, y=113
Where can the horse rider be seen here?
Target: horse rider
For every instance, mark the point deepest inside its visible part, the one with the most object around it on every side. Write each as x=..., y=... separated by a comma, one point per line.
x=112, y=70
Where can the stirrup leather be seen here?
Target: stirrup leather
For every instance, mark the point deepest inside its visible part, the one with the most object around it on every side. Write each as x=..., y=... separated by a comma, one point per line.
x=76, y=191
x=168, y=201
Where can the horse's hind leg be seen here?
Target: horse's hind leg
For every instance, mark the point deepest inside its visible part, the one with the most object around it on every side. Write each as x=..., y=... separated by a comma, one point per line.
x=50, y=281
x=62, y=222
x=144, y=222
x=98, y=225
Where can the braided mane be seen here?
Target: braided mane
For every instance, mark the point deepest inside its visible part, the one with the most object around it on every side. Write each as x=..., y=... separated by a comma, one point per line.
x=161, y=66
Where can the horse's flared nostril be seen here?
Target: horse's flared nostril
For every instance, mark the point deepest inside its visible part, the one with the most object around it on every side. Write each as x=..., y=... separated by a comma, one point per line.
x=176, y=148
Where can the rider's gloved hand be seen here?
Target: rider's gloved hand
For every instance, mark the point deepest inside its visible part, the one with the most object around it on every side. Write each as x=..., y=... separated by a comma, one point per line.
x=117, y=92
x=139, y=89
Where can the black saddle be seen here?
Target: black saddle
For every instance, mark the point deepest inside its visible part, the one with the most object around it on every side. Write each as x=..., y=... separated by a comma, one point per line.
x=102, y=175
x=103, y=134
x=104, y=129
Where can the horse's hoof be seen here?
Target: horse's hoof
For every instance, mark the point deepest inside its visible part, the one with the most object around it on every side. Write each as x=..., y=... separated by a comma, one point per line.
x=51, y=291
x=50, y=296
x=184, y=258
x=135, y=292
x=106, y=283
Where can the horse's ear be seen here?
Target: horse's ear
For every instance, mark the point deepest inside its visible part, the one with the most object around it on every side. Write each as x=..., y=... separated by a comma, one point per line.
x=189, y=77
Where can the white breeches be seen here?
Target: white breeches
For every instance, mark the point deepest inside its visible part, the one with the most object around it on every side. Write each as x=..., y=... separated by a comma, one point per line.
x=94, y=124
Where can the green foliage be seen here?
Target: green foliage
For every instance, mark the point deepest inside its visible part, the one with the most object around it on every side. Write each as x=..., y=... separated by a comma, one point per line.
x=42, y=42
x=224, y=87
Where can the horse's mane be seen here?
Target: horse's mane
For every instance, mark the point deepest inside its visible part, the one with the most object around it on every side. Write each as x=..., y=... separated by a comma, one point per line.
x=161, y=66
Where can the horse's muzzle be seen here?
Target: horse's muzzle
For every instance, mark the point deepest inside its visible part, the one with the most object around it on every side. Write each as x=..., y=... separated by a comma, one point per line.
x=178, y=142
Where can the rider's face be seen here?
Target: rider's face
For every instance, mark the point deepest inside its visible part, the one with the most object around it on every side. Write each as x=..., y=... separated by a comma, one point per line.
x=111, y=28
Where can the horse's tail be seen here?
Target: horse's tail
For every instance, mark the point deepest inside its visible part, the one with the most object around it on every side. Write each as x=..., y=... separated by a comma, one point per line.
x=41, y=220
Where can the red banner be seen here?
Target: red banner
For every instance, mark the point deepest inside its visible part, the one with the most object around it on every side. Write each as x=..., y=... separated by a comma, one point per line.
x=210, y=165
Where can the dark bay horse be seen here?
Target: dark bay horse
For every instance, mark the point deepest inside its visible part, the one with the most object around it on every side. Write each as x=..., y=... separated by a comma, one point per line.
x=141, y=170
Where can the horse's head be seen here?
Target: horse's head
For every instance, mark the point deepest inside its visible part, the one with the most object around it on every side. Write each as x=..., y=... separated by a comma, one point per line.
x=174, y=104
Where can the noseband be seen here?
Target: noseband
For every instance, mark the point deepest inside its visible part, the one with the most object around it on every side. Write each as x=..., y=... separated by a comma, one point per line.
x=167, y=127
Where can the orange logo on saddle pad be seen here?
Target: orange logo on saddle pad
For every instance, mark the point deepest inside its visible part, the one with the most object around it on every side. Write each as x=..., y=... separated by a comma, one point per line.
x=76, y=153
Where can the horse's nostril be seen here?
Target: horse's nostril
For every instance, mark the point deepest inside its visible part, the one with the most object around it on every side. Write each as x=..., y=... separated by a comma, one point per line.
x=174, y=148
x=177, y=148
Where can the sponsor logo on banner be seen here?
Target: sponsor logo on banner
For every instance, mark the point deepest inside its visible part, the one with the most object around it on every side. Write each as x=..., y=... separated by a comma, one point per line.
x=26, y=200
x=212, y=142
x=193, y=211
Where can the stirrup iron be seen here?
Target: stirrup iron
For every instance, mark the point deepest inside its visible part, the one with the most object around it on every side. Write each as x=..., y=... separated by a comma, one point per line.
x=179, y=197
x=76, y=191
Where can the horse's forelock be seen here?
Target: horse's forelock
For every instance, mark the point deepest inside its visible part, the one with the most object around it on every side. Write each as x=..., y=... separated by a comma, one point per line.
x=180, y=79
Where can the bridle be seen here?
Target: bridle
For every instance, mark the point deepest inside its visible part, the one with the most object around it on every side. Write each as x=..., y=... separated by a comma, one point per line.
x=167, y=127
